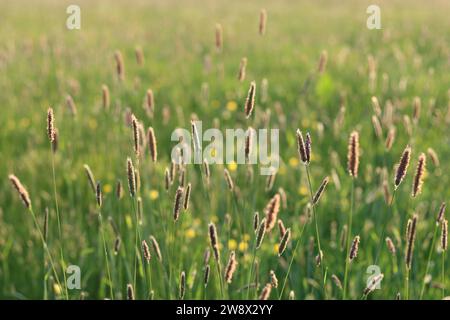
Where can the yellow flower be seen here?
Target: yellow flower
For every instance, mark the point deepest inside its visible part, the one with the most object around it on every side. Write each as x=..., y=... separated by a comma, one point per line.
x=246, y=237
x=232, y=244
x=128, y=221
x=190, y=233
x=214, y=219
x=275, y=248
x=293, y=162
x=154, y=194
x=57, y=289
x=303, y=191
x=243, y=246
x=107, y=188
x=232, y=105
x=232, y=166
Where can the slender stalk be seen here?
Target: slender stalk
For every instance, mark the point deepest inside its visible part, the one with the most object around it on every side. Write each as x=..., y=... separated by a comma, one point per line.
x=349, y=235
x=290, y=263
x=384, y=228
x=443, y=274
x=317, y=229
x=407, y=284
x=429, y=260
x=102, y=231
x=59, y=221
x=44, y=244
x=251, y=269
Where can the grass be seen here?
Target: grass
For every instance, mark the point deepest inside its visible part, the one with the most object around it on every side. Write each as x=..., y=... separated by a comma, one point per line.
x=42, y=62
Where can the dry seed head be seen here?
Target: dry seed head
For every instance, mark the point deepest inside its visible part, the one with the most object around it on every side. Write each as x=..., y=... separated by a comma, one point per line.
x=177, y=203
x=376, y=280
x=441, y=213
x=156, y=248
x=229, y=180
x=50, y=124
x=273, y=279
x=283, y=196
x=270, y=180
x=260, y=233
x=320, y=191
x=354, y=249
x=135, y=125
x=248, y=143
x=242, y=69
x=106, y=100
x=152, y=144
x=219, y=37
x=336, y=281
x=206, y=276
x=410, y=241
x=98, y=195
x=301, y=147
x=231, y=267
x=119, y=189
x=131, y=177
x=167, y=181
x=308, y=147
x=433, y=156
x=214, y=241
x=255, y=221
x=182, y=285
x=262, y=21
x=376, y=106
x=139, y=56
x=187, y=196
x=146, y=251
x=55, y=141
x=353, y=154
x=284, y=242
x=281, y=228
x=250, y=101
x=90, y=177
x=23, y=193
x=418, y=178
x=322, y=62
x=444, y=235
x=150, y=102
x=120, y=67
x=130, y=292
x=377, y=126
x=386, y=193
x=173, y=171
x=390, y=138
x=402, y=166
x=390, y=245
x=71, y=105
x=265, y=293
x=271, y=212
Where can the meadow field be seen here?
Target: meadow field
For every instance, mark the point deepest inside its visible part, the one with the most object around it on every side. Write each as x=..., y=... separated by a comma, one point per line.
x=85, y=143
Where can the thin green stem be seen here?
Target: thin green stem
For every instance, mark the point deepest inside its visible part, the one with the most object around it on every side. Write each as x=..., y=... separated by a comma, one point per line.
x=443, y=274
x=349, y=235
x=407, y=284
x=44, y=244
x=102, y=231
x=430, y=253
x=59, y=222
x=317, y=231
x=251, y=269
x=290, y=263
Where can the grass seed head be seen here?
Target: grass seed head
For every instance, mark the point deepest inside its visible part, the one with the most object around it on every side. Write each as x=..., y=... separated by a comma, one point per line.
x=23, y=193
x=402, y=167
